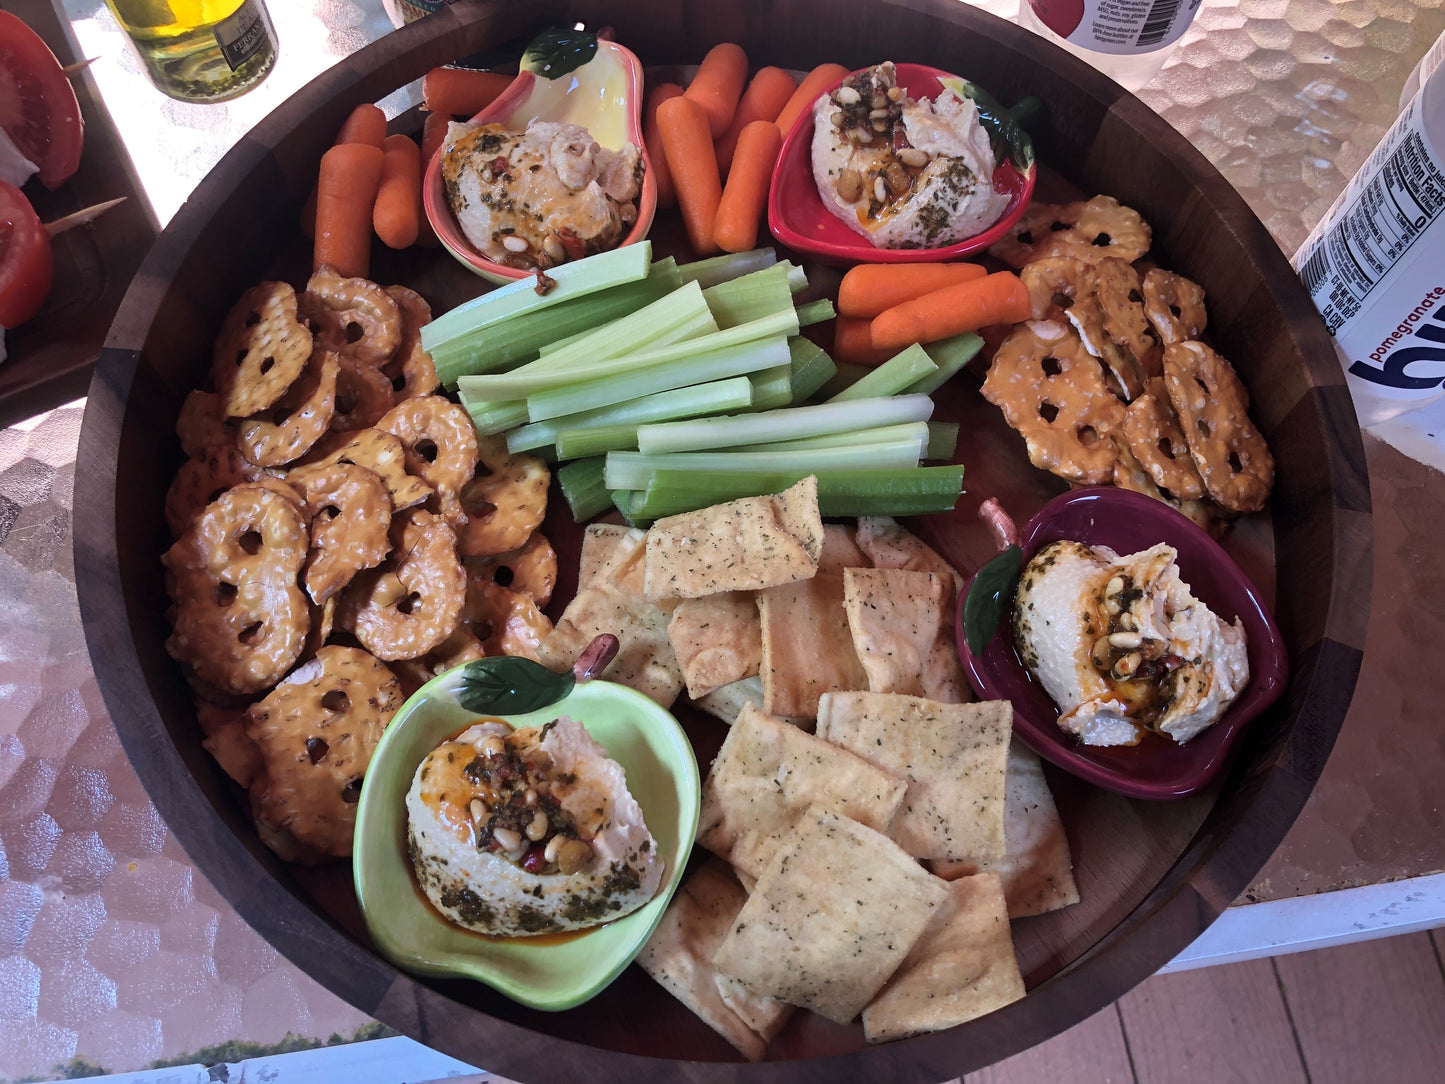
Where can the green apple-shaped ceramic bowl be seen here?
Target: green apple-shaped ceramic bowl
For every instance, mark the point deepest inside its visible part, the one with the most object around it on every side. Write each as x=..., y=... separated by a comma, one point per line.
x=549, y=972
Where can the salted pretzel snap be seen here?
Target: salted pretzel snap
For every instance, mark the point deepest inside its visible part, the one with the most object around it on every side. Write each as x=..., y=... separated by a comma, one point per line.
x=1053, y=392
x=350, y=517
x=363, y=395
x=1043, y=230
x=532, y=569
x=240, y=619
x=504, y=503
x=507, y=622
x=441, y=447
x=1121, y=300
x=1174, y=305
x=462, y=646
x=287, y=430
x=1107, y=228
x=1062, y=287
x=201, y=425
x=1157, y=442
x=410, y=368
x=352, y=316
x=261, y=350
x=316, y=732
x=411, y=602
x=203, y=478
x=1213, y=408
x=382, y=454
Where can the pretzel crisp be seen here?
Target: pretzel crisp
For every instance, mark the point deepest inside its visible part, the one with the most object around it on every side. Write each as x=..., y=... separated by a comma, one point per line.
x=201, y=425
x=1213, y=408
x=1174, y=305
x=382, y=454
x=504, y=503
x=413, y=601
x=507, y=622
x=354, y=317
x=300, y=418
x=1158, y=443
x=240, y=620
x=1090, y=231
x=262, y=348
x=462, y=646
x=363, y=395
x=350, y=516
x=1120, y=293
x=316, y=732
x=1053, y=392
x=1130, y=474
x=532, y=569
x=1063, y=287
x=202, y=479
x=410, y=368
x=441, y=447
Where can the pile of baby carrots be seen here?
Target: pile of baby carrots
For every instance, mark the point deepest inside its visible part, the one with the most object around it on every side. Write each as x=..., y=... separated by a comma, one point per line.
x=724, y=128
x=883, y=308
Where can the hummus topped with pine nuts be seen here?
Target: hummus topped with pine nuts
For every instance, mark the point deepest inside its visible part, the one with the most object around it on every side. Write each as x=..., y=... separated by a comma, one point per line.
x=540, y=197
x=1123, y=646
x=903, y=172
x=528, y=831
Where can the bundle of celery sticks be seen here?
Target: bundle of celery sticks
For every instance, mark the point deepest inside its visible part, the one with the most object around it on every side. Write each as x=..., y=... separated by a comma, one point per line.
x=663, y=388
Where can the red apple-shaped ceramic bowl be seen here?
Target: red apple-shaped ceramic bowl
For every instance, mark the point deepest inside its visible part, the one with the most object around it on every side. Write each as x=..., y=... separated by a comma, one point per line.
x=1157, y=767
x=800, y=220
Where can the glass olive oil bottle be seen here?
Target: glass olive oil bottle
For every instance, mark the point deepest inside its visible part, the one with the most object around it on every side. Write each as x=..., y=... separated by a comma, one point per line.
x=200, y=50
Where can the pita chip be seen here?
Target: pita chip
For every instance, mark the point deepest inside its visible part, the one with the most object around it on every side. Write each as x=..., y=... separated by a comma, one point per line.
x=807, y=648
x=1036, y=869
x=831, y=918
x=895, y=618
x=679, y=956
x=961, y=968
x=742, y=545
x=954, y=757
x=717, y=639
x=840, y=549
x=601, y=543
x=726, y=701
x=889, y=545
x=766, y=776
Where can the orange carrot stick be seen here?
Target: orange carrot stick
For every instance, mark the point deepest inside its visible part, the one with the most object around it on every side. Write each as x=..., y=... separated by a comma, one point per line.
x=345, y=195
x=999, y=298
x=367, y=124
x=853, y=342
x=666, y=196
x=718, y=84
x=397, y=214
x=433, y=133
x=682, y=125
x=814, y=83
x=869, y=288
x=457, y=92
x=763, y=100
x=741, y=208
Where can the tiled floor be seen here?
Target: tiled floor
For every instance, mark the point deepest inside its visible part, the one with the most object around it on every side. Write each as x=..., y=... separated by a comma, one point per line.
x=1369, y=1013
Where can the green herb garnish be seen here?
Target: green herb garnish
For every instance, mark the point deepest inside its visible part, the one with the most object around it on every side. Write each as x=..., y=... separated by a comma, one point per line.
x=988, y=597
x=511, y=685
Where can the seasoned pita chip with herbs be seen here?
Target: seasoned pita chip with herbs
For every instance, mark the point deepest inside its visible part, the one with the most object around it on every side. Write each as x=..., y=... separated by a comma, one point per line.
x=1036, y=869
x=954, y=757
x=889, y=545
x=831, y=918
x=679, y=957
x=766, y=776
x=742, y=545
x=895, y=618
x=840, y=549
x=807, y=650
x=717, y=640
x=601, y=543
x=961, y=968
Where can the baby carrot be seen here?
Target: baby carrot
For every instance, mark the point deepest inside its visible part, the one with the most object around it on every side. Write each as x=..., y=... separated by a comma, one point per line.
x=869, y=288
x=366, y=124
x=457, y=92
x=999, y=298
x=814, y=83
x=763, y=100
x=397, y=215
x=666, y=197
x=741, y=207
x=433, y=132
x=718, y=83
x=345, y=194
x=685, y=141
x=853, y=342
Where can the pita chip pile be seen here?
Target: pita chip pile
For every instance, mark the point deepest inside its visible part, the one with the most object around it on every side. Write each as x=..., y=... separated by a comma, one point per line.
x=873, y=832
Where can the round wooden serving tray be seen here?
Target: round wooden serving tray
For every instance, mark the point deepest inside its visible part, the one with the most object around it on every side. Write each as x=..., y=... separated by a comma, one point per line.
x=1152, y=875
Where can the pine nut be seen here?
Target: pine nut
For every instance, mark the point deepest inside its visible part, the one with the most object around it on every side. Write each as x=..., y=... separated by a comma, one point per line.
x=572, y=855
x=1126, y=667
x=1114, y=586
x=878, y=114
x=1128, y=641
x=912, y=156
x=553, y=846
x=862, y=135
x=880, y=190
x=529, y=796
x=537, y=826
x=507, y=839
x=513, y=243
x=478, y=811
x=494, y=746
x=848, y=96
x=849, y=185
x=895, y=94
x=553, y=248
x=878, y=101
x=837, y=119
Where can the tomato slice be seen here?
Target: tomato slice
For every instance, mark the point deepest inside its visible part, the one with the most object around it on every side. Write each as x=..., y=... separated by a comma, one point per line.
x=26, y=267
x=38, y=109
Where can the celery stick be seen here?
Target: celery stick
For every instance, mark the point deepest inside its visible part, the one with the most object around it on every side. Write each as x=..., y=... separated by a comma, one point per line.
x=790, y=423
x=748, y=357
x=628, y=470
x=942, y=441
x=950, y=355
x=812, y=368
x=750, y=297
x=595, y=440
x=490, y=417
x=494, y=348
x=630, y=263
x=734, y=393
x=772, y=388
x=728, y=266
x=629, y=333
x=581, y=485
x=907, y=492
x=919, y=431
x=701, y=324
x=903, y=369
x=815, y=312
x=846, y=375
x=522, y=384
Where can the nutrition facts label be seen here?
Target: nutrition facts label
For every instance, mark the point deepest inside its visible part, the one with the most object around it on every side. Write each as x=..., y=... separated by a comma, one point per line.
x=1384, y=212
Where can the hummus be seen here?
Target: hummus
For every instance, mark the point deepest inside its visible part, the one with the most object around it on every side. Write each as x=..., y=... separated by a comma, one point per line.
x=537, y=198
x=903, y=172
x=528, y=831
x=1122, y=646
